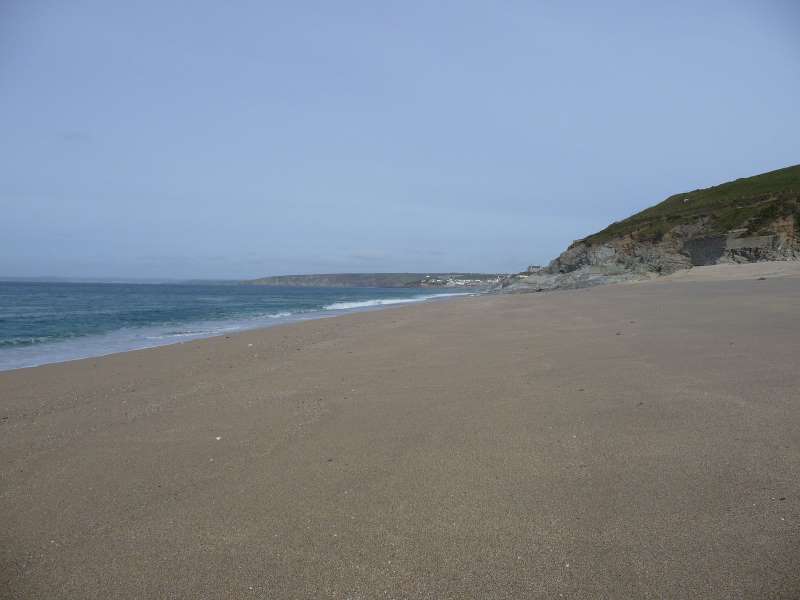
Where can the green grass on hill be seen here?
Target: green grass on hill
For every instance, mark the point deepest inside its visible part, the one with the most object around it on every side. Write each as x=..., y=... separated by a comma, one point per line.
x=752, y=202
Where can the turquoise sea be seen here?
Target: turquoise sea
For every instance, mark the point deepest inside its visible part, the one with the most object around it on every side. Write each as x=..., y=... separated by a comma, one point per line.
x=53, y=322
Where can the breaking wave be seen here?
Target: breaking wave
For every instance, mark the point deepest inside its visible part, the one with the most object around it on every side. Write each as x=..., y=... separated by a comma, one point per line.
x=388, y=301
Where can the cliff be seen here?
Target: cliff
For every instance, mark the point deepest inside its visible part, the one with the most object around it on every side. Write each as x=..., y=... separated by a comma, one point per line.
x=746, y=220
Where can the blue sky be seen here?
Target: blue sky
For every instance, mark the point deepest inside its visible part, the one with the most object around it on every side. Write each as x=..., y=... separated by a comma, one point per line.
x=239, y=139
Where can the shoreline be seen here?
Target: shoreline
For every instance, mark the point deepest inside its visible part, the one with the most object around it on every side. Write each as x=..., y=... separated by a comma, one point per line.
x=724, y=271
x=618, y=441
x=66, y=351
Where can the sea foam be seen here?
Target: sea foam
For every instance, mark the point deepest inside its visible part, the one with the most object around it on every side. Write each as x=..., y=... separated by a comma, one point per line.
x=388, y=301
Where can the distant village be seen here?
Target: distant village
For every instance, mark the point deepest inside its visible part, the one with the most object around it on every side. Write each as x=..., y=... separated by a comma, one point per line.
x=450, y=281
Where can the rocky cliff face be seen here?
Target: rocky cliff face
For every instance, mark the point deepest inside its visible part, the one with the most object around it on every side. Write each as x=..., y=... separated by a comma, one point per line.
x=683, y=247
x=754, y=219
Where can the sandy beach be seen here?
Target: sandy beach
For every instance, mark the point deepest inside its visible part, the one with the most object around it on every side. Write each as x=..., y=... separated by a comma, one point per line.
x=628, y=441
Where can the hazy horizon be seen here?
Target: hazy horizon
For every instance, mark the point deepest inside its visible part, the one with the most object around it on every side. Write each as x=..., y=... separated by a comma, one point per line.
x=178, y=280
x=196, y=141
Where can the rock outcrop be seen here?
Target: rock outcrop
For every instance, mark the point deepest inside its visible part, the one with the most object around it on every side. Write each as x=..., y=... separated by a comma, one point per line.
x=747, y=220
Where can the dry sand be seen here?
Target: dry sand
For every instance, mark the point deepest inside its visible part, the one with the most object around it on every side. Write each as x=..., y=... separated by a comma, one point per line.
x=631, y=441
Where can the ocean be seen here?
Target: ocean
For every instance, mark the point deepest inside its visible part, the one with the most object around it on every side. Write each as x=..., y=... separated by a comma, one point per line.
x=53, y=322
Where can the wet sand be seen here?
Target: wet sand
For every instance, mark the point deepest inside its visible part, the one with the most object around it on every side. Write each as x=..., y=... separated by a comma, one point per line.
x=630, y=441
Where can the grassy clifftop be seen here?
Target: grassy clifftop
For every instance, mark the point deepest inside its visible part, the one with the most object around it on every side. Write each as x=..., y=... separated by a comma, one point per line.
x=752, y=203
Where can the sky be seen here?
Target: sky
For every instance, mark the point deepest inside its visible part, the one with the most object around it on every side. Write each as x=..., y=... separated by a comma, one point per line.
x=207, y=139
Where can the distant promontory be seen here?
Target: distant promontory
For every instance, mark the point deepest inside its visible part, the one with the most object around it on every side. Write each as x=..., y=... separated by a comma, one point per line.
x=383, y=280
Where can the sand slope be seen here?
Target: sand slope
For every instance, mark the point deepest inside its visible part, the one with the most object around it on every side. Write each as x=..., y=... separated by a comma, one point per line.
x=628, y=441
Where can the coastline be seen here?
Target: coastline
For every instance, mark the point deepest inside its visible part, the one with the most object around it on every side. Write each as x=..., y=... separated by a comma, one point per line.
x=617, y=441
x=142, y=338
